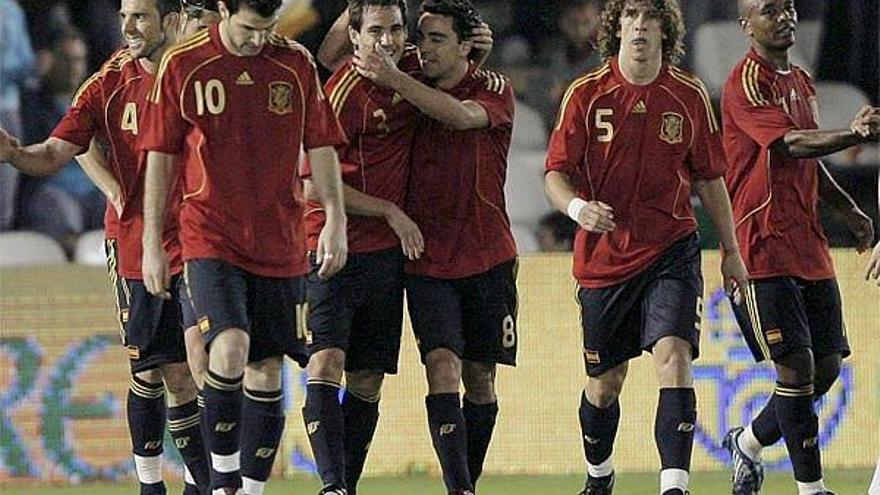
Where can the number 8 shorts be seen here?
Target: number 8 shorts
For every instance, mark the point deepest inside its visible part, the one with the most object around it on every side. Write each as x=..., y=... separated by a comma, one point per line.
x=474, y=317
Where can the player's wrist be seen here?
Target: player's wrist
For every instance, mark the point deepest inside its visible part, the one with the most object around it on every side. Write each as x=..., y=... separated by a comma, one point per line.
x=575, y=207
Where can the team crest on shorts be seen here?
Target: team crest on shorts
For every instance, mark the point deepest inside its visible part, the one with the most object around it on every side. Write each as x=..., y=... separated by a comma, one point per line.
x=134, y=352
x=592, y=357
x=774, y=336
x=204, y=324
x=280, y=97
x=671, y=128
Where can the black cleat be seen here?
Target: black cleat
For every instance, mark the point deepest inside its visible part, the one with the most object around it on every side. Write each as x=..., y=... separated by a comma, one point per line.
x=748, y=475
x=333, y=490
x=599, y=486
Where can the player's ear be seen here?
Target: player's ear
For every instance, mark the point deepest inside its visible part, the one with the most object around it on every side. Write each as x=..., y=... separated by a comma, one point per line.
x=354, y=36
x=465, y=48
x=224, y=11
x=744, y=25
x=171, y=22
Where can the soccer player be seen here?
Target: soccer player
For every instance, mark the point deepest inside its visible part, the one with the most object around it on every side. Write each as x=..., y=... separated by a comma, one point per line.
x=241, y=221
x=461, y=292
x=355, y=318
x=633, y=139
x=107, y=108
x=793, y=316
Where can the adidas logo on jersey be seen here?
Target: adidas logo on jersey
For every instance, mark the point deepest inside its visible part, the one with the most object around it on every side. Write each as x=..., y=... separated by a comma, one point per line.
x=244, y=79
x=640, y=107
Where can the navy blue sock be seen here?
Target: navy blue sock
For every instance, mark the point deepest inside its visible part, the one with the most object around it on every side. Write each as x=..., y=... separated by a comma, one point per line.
x=480, y=422
x=185, y=428
x=361, y=417
x=800, y=428
x=223, y=419
x=323, y=418
x=449, y=436
x=262, y=427
x=765, y=426
x=598, y=430
x=146, y=425
x=674, y=427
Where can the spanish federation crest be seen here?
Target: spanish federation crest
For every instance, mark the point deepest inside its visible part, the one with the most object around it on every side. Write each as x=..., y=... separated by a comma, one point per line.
x=671, y=128
x=280, y=97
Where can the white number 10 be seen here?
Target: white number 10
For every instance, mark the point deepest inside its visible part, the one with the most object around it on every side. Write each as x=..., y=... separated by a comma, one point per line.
x=213, y=94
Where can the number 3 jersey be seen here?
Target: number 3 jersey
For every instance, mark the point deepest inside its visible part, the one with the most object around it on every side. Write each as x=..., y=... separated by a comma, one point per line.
x=239, y=124
x=637, y=149
x=108, y=106
x=379, y=124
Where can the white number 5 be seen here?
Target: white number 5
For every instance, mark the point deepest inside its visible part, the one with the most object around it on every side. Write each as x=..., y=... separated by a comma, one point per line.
x=605, y=127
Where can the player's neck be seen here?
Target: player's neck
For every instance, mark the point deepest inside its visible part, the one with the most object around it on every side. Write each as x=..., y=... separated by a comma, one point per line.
x=453, y=77
x=777, y=58
x=638, y=72
x=148, y=64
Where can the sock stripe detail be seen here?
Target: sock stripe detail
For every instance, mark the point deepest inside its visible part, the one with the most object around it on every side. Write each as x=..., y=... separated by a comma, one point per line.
x=328, y=383
x=146, y=390
x=805, y=391
x=220, y=383
x=183, y=423
x=372, y=399
x=200, y=400
x=263, y=396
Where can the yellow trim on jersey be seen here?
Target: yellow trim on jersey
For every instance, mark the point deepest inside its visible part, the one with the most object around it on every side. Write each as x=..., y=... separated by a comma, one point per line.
x=190, y=44
x=340, y=94
x=495, y=82
x=115, y=64
x=698, y=86
x=592, y=76
x=750, y=84
x=345, y=79
x=755, y=318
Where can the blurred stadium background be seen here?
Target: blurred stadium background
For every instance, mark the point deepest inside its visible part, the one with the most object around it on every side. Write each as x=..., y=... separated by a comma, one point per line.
x=63, y=377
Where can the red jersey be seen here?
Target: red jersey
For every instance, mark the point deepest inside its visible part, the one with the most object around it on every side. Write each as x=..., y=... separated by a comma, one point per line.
x=775, y=199
x=379, y=124
x=239, y=125
x=456, y=185
x=108, y=105
x=637, y=149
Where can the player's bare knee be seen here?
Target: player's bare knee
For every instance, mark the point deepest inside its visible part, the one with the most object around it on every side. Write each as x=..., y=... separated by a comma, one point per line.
x=604, y=389
x=179, y=383
x=365, y=384
x=196, y=356
x=827, y=371
x=796, y=368
x=443, y=368
x=264, y=375
x=327, y=364
x=229, y=353
x=673, y=362
x=479, y=382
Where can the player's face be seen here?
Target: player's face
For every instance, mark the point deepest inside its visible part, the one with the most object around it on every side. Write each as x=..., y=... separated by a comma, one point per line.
x=141, y=27
x=196, y=19
x=440, y=49
x=246, y=30
x=641, y=32
x=772, y=23
x=382, y=25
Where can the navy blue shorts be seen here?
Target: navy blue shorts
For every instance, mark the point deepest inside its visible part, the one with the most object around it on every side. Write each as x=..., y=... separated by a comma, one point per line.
x=783, y=314
x=359, y=310
x=270, y=310
x=150, y=327
x=622, y=321
x=474, y=317
x=187, y=311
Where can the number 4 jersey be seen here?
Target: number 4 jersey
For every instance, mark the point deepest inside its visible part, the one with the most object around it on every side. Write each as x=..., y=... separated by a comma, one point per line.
x=239, y=125
x=637, y=149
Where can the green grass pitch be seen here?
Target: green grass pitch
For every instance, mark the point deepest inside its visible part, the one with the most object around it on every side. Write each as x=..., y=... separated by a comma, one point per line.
x=714, y=483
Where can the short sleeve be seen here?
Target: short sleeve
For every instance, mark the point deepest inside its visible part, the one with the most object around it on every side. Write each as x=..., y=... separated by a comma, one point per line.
x=706, y=157
x=496, y=97
x=83, y=118
x=750, y=100
x=322, y=128
x=568, y=142
x=163, y=126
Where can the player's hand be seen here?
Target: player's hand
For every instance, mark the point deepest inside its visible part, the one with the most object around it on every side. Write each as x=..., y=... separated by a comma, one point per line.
x=736, y=276
x=862, y=227
x=597, y=217
x=873, y=270
x=376, y=65
x=156, y=273
x=411, y=239
x=332, y=252
x=866, y=123
x=483, y=41
x=9, y=146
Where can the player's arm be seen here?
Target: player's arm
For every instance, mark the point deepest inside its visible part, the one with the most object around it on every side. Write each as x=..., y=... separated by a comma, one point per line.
x=858, y=222
x=39, y=159
x=160, y=171
x=94, y=164
x=813, y=143
x=593, y=216
x=327, y=179
x=713, y=194
x=336, y=47
x=439, y=105
x=873, y=270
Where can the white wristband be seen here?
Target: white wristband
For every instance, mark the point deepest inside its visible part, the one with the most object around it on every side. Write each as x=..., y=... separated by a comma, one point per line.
x=575, y=207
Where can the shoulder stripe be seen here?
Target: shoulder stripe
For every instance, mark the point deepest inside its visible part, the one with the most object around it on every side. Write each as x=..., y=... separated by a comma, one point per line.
x=190, y=44
x=698, y=86
x=114, y=64
x=341, y=93
x=495, y=82
x=751, y=88
x=577, y=83
x=339, y=83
